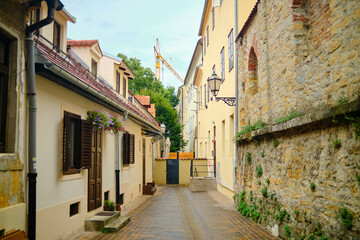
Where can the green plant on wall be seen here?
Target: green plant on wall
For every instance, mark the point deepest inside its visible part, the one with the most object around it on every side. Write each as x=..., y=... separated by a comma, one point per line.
x=312, y=186
x=341, y=101
x=346, y=217
x=259, y=182
x=287, y=230
x=248, y=157
x=356, y=124
x=262, y=154
x=268, y=181
x=251, y=196
x=293, y=114
x=336, y=143
x=275, y=142
x=249, y=128
x=264, y=191
x=259, y=171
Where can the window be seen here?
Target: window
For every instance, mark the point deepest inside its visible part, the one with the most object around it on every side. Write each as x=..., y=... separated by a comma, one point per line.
x=207, y=34
x=34, y=18
x=4, y=79
x=205, y=94
x=204, y=45
x=213, y=18
x=231, y=50
x=94, y=67
x=222, y=57
x=200, y=96
x=118, y=82
x=221, y=1
x=77, y=143
x=124, y=86
x=56, y=35
x=74, y=209
x=128, y=149
x=208, y=93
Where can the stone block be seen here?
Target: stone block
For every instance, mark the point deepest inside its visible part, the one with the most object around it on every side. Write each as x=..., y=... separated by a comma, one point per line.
x=203, y=184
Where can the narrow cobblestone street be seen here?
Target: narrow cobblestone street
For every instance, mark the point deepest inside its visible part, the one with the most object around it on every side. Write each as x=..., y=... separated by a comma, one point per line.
x=176, y=213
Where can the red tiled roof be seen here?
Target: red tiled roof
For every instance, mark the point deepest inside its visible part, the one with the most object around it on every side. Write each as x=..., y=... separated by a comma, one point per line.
x=86, y=43
x=70, y=65
x=144, y=100
x=82, y=42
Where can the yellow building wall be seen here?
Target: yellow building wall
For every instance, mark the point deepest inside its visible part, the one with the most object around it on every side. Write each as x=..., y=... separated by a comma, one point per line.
x=218, y=114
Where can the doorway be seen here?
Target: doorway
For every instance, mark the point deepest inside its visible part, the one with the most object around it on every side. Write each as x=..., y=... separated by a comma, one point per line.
x=95, y=171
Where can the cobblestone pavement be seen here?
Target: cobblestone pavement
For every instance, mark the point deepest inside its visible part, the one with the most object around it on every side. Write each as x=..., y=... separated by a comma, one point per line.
x=176, y=213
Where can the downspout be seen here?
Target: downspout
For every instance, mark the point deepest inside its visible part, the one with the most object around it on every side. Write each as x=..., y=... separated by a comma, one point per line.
x=182, y=111
x=117, y=170
x=236, y=93
x=32, y=174
x=197, y=125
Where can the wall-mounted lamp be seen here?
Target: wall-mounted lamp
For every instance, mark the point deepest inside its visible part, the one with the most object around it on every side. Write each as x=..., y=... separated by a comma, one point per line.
x=214, y=83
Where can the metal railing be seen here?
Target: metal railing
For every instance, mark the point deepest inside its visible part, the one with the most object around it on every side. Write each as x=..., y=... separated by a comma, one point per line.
x=201, y=169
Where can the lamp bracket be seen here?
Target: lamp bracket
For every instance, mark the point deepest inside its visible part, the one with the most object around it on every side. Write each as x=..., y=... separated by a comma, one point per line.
x=228, y=100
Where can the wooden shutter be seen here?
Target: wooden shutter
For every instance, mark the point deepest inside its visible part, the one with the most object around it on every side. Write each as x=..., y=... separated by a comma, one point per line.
x=66, y=140
x=126, y=140
x=132, y=149
x=85, y=154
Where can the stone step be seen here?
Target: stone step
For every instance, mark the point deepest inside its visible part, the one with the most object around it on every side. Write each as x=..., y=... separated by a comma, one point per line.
x=98, y=222
x=117, y=224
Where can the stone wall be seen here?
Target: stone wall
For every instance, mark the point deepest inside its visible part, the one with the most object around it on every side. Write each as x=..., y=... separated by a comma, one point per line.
x=306, y=54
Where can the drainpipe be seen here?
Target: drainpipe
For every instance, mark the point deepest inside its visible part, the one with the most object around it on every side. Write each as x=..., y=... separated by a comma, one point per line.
x=236, y=93
x=117, y=170
x=30, y=67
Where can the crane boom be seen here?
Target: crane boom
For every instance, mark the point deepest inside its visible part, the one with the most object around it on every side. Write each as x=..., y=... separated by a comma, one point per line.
x=159, y=58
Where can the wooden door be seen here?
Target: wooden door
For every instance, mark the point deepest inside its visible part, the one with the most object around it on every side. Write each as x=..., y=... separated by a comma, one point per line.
x=95, y=171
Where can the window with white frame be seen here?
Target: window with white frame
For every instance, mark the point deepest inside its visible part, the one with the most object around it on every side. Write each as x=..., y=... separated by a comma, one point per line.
x=231, y=50
x=222, y=57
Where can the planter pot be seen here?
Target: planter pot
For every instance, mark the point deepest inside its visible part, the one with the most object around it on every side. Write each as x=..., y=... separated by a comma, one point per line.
x=118, y=207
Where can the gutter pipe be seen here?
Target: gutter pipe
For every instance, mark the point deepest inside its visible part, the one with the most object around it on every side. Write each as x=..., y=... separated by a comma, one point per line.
x=30, y=65
x=236, y=94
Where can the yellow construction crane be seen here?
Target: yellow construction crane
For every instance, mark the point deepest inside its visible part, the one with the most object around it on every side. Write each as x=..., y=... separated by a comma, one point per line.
x=159, y=58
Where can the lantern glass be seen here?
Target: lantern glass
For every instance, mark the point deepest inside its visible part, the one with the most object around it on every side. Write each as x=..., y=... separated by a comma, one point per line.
x=214, y=83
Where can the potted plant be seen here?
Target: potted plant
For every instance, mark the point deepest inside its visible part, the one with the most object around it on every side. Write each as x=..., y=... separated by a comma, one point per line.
x=109, y=205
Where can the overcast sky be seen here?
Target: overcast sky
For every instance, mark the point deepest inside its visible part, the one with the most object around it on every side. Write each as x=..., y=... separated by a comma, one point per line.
x=132, y=26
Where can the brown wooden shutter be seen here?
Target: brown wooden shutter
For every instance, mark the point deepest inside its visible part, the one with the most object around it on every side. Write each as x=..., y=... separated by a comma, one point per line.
x=66, y=141
x=126, y=140
x=132, y=148
x=85, y=154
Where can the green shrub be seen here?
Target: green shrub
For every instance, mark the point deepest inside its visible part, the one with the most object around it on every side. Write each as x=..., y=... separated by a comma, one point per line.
x=336, y=142
x=281, y=215
x=312, y=186
x=249, y=128
x=291, y=115
x=275, y=142
x=346, y=217
x=248, y=157
x=262, y=154
x=287, y=230
x=268, y=181
x=264, y=191
x=259, y=171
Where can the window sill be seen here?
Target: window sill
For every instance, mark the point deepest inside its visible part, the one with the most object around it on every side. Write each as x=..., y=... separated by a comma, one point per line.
x=70, y=177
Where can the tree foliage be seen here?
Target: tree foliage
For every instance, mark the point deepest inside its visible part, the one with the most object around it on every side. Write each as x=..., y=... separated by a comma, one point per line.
x=164, y=99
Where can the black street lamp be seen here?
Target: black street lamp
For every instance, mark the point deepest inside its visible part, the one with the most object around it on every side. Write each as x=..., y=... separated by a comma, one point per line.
x=214, y=83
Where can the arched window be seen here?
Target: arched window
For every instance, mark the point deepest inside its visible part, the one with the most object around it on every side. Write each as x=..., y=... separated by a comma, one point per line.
x=252, y=82
x=253, y=64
